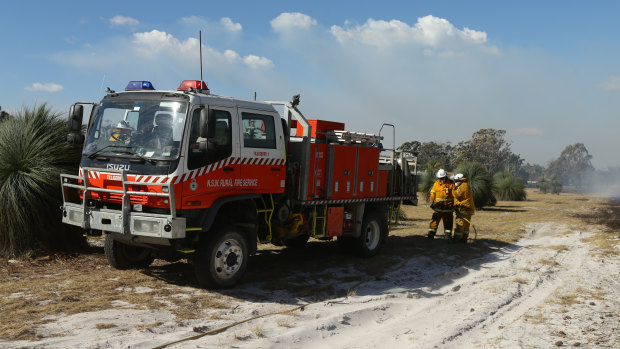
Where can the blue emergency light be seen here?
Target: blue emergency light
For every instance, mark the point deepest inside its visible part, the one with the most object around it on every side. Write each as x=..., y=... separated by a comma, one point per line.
x=139, y=85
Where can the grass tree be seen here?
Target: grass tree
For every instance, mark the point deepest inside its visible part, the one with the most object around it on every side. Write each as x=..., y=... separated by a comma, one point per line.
x=508, y=187
x=480, y=181
x=427, y=181
x=33, y=153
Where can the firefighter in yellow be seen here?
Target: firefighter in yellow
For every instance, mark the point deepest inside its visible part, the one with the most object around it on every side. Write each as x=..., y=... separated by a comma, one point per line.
x=442, y=202
x=463, y=207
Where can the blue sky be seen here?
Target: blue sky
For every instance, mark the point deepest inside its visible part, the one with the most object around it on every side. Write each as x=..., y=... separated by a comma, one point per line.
x=547, y=72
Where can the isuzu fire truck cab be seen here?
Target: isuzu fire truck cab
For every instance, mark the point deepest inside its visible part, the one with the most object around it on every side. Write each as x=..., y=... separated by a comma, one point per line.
x=173, y=174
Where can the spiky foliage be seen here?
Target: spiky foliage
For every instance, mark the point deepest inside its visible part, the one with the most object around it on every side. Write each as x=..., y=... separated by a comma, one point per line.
x=480, y=181
x=33, y=153
x=426, y=184
x=543, y=185
x=555, y=185
x=507, y=187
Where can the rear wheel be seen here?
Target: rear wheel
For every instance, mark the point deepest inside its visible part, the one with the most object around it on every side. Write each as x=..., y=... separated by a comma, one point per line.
x=374, y=234
x=221, y=259
x=122, y=256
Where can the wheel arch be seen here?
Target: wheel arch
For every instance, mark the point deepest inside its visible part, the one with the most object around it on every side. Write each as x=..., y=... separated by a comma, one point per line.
x=239, y=211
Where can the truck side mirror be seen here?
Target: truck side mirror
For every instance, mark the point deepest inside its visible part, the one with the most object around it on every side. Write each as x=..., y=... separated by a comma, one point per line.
x=76, y=113
x=207, y=123
x=75, y=138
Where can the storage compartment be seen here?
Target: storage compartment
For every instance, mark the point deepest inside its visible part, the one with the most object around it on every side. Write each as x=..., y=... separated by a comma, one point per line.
x=319, y=127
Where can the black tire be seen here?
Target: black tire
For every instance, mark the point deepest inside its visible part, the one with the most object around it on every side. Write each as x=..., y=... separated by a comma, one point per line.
x=346, y=244
x=122, y=256
x=297, y=242
x=374, y=234
x=221, y=259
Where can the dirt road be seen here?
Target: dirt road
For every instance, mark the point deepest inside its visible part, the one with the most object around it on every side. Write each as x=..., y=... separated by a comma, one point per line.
x=557, y=286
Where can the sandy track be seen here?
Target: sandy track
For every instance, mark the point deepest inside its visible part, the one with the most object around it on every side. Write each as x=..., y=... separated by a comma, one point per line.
x=548, y=288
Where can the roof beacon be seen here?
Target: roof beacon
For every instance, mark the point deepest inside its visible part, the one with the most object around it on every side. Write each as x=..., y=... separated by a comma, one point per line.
x=139, y=85
x=192, y=85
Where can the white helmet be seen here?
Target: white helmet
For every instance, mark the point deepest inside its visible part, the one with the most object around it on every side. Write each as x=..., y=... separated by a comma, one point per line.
x=442, y=173
x=458, y=177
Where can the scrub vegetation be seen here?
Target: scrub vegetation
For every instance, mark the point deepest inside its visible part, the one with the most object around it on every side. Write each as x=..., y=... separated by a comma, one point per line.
x=33, y=153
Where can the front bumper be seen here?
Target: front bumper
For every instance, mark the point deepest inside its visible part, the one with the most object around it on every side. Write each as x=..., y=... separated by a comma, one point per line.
x=123, y=221
x=141, y=224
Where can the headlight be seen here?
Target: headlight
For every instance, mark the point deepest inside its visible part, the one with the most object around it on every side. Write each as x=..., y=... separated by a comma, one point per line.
x=147, y=226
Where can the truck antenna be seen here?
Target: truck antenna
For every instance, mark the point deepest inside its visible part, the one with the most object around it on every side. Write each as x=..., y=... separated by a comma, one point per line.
x=200, y=43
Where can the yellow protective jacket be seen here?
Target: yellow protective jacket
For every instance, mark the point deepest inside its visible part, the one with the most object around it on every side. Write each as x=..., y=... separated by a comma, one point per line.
x=441, y=196
x=464, y=199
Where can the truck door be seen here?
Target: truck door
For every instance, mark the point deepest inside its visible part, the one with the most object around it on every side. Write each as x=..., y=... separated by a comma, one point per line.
x=212, y=171
x=263, y=168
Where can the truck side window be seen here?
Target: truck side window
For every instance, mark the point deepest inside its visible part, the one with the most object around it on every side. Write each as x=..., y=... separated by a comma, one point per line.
x=258, y=131
x=219, y=147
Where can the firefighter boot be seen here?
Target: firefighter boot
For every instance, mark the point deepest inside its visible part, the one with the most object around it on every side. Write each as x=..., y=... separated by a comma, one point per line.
x=431, y=234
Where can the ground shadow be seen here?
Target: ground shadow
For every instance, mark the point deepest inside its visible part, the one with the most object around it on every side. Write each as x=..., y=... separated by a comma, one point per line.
x=502, y=209
x=322, y=271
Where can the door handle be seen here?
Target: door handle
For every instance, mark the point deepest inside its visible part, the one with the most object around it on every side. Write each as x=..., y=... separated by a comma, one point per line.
x=228, y=169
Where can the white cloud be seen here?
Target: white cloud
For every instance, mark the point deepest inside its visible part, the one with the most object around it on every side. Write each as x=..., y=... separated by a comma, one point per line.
x=429, y=31
x=292, y=20
x=529, y=131
x=230, y=25
x=122, y=21
x=48, y=87
x=256, y=62
x=156, y=43
x=612, y=84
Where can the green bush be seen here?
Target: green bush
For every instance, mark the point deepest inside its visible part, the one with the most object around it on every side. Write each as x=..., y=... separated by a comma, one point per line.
x=33, y=153
x=480, y=181
x=555, y=185
x=507, y=187
x=426, y=184
x=543, y=185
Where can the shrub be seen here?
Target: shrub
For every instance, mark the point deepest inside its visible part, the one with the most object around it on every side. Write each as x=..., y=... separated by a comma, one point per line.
x=480, y=181
x=543, y=185
x=555, y=185
x=508, y=187
x=426, y=184
x=33, y=153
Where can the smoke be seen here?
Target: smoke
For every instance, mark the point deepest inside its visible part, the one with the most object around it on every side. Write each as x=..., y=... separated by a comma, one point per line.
x=604, y=183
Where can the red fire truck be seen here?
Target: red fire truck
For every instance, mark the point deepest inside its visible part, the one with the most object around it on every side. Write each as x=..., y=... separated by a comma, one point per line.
x=187, y=174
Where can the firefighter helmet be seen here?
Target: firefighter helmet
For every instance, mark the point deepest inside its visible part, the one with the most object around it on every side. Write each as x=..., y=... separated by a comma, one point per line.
x=442, y=173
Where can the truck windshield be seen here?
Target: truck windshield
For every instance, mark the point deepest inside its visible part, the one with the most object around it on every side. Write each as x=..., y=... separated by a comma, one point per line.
x=147, y=129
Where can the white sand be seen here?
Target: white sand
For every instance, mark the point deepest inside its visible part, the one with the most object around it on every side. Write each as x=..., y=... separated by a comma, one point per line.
x=549, y=287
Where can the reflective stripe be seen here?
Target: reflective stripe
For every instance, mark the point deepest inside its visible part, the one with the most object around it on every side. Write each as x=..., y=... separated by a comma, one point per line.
x=432, y=230
x=432, y=191
x=447, y=231
x=438, y=210
x=444, y=199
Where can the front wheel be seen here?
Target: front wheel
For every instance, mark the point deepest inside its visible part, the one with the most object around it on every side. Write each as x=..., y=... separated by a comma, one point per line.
x=221, y=259
x=122, y=256
x=374, y=234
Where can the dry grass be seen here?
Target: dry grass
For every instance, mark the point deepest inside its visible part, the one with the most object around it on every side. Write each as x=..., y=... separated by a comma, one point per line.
x=548, y=261
x=558, y=248
x=35, y=291
x=104, y=326
x=71, y=285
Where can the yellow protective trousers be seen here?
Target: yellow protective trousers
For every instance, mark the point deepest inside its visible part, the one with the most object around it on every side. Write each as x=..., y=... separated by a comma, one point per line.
x=447, y=219
x=462, y=226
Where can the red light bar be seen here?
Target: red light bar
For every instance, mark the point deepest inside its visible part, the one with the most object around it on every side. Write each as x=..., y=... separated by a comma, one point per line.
x=192, y=84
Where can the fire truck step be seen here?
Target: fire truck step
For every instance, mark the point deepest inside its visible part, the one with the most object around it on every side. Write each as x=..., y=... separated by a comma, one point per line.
x=186, y=250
